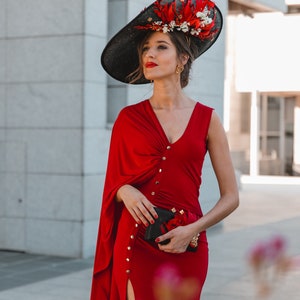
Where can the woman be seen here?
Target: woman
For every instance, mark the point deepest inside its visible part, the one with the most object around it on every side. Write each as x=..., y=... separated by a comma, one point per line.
x=155, y=160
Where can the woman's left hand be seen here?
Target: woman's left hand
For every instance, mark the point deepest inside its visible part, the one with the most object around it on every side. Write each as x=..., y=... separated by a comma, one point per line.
x=180, y=238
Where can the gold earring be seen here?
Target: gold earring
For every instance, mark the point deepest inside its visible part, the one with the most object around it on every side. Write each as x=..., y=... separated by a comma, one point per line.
x=179, y=69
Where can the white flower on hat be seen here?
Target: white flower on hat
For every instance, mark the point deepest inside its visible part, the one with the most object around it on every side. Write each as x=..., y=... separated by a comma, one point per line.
x=184, y=27
x=165, y=28
x=195, y=31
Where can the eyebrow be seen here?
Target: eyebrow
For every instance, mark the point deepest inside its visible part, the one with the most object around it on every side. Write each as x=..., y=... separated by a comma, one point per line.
x=159, y=42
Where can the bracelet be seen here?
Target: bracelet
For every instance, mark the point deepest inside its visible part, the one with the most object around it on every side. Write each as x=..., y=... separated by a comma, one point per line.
x=194, y=241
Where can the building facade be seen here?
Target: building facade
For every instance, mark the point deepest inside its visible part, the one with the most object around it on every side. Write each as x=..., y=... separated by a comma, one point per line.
x=57, y=106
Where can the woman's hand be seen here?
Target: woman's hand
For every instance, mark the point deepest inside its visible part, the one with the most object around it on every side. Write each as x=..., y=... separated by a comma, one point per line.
x=137, y=204
x=180, y=238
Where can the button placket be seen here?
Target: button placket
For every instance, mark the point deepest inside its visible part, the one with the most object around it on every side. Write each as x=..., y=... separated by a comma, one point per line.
x=157, y=179
x=131, y=240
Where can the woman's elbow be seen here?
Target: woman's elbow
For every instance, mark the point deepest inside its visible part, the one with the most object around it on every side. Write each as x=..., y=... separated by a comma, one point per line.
x=235, y=202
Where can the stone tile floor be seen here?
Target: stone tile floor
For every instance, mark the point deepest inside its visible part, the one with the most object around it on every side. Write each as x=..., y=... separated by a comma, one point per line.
x=17, y=269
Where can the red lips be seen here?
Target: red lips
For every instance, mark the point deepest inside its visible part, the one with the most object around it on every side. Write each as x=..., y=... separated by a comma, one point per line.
x=150, y=65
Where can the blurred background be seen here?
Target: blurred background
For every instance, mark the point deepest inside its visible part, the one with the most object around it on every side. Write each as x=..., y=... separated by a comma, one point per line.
x=57, y=107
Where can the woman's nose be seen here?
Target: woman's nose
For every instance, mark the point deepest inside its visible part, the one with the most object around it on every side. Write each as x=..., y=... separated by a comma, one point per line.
x=150, y=53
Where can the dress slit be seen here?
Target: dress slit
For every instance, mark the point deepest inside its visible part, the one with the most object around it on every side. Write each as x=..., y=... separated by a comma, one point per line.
x=130, y=290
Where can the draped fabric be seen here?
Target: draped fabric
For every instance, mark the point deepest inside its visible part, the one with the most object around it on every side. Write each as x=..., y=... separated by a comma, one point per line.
x=141, y=155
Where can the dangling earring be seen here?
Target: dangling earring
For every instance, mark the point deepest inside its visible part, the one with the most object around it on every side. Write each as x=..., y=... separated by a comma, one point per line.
x=179, y=69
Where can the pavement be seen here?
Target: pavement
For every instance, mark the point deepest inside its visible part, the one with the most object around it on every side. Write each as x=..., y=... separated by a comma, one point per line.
x=267, y=208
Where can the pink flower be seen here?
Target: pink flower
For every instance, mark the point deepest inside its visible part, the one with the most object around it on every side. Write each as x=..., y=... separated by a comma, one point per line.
x=268, y=258
x=168, y=274
x=170, y=285
x=267, y=252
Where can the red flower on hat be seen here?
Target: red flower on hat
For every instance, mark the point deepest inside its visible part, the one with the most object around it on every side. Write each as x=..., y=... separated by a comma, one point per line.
x=187, y=16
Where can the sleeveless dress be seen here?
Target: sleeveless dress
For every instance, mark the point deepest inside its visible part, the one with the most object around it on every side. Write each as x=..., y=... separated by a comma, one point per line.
x=169, y=175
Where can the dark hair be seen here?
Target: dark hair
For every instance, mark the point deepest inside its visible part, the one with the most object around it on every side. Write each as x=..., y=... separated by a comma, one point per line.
x=183, y=46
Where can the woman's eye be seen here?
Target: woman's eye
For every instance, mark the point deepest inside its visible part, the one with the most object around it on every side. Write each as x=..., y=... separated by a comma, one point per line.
x=144, y=49
x=162, y=47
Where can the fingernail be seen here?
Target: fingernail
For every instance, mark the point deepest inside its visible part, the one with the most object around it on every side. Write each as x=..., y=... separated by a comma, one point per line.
x=152, y=222
x=157, y=240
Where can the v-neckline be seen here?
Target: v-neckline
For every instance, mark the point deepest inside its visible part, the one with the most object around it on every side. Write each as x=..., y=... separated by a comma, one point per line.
x=162, y=129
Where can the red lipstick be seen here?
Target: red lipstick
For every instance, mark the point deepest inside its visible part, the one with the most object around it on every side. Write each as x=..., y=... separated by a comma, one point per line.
x=150, y=65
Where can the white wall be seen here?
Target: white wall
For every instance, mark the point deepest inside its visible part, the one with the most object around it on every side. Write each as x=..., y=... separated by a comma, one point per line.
x=268, y=53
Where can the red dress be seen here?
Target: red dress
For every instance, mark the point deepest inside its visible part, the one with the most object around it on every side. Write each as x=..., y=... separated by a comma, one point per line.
x=169, y=175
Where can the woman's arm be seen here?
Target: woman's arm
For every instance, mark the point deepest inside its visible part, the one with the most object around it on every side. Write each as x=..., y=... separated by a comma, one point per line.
x=229, y=199
x=137, y=204
x=221, y=161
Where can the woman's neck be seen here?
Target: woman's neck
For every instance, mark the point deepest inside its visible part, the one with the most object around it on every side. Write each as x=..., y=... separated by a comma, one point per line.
x=168, y=96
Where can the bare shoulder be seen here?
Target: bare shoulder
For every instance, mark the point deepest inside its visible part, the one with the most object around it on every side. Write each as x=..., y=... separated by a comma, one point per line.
x=215, y=126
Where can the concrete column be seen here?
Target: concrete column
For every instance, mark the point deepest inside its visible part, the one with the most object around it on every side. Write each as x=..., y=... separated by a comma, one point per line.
x=95, y=136
x=52, y=124
x=254, y=134
x=296, y=156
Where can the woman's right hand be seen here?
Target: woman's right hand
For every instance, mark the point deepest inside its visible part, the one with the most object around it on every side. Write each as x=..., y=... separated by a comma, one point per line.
x=137, y=204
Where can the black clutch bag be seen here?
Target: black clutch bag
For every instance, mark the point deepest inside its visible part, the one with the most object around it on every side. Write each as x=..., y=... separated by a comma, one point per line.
x=168, y=220
x=159, y=227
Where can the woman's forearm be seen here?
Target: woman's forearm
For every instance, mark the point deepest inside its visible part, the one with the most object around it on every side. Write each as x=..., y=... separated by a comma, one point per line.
x=224, y=207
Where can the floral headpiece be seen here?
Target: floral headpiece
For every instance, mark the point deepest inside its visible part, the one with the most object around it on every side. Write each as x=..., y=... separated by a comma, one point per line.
x=184, y=15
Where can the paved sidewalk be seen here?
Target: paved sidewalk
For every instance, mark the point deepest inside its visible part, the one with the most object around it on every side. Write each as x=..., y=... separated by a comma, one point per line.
x=264, y=210
x=20, y=269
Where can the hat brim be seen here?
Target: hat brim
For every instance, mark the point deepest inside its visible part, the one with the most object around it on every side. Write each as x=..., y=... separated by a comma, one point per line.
x=120, y=56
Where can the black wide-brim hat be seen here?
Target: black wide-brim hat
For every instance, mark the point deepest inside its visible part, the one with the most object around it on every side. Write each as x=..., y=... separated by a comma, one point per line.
x=120, y=56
